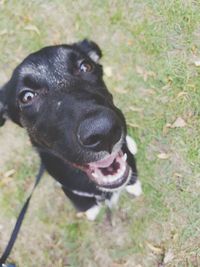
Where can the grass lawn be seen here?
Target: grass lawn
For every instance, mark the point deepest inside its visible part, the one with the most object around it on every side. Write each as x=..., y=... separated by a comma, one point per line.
x=152, y=66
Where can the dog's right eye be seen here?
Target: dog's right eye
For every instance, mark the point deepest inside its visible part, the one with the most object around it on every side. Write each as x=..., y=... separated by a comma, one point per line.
x=26, y=97
x=85, y=66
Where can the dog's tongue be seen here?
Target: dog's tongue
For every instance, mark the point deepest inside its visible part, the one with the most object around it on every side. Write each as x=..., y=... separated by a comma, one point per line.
x=103, y=163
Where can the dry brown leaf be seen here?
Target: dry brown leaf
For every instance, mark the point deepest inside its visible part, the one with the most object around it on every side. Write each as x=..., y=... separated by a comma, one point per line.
x=169, y=256
x=156, y=249
x=168, y=125
x=163, y=156
x=144, y=73
x=27, y=19
x=2, y=2
x=130, y=42
x=166, y=87
x=197, y=62
x=150, y=92
x=3, y=32
x=80, y=215
x=108, y=71
x=141, y=71
x=178, y=175
x=120, y=90
x=9, y=173
x=136, y=109
x=166, y=128
x=179, y=123
x=32, y=28
x=151, y=74
x=181, y=94
x=5, y=181
x=132, y=125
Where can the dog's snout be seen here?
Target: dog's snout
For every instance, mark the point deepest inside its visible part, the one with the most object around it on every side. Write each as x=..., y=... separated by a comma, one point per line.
x=100, y=133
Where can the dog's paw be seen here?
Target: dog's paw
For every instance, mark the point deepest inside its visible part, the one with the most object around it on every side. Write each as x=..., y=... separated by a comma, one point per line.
x=135, y=189
x=112, y=202
x=131, y=144
x=93, y=212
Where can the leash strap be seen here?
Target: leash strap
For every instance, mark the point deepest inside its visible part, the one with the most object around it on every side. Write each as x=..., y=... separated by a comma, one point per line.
x=19, y=221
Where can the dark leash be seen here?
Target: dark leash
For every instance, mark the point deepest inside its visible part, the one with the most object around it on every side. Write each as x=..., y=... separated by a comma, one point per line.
x=18, y=223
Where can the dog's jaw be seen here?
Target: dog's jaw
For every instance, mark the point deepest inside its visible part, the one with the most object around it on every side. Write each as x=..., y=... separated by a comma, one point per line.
x=111, y=173
x=114, y=171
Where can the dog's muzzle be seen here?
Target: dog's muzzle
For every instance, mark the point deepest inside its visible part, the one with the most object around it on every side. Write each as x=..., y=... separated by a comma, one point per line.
x=112, y=172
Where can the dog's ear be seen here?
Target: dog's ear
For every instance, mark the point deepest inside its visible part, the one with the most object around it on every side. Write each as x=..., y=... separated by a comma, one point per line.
x=3, y=106
x=90, y=48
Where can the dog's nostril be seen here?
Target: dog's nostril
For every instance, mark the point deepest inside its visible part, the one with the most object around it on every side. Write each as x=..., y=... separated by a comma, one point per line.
x=92, y=140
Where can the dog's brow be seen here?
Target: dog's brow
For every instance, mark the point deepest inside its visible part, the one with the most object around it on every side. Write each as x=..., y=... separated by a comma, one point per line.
x=27, y=70
x=31, y=81
x=32, y=69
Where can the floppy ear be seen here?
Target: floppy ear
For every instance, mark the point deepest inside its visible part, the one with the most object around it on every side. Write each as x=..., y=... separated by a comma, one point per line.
x=3, y=106
x=90, y=48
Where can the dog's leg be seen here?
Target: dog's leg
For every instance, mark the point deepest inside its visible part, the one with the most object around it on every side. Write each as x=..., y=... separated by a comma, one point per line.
x=135, y=189
x=131, y=144
x=93, y=212
x=86, y=204
x=81, y=202
x=112, y=202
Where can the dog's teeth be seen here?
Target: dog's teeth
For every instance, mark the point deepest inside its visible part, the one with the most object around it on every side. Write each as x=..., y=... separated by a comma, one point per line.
x=95, y=175
x=109, y=179
x=124, y=158
x=105, y=180
x=131, y=145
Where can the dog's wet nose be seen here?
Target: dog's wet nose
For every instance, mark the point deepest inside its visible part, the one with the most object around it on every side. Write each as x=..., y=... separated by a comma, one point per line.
x=100, y=133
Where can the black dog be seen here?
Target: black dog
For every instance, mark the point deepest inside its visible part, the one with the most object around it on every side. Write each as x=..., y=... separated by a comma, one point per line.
x=59, y=96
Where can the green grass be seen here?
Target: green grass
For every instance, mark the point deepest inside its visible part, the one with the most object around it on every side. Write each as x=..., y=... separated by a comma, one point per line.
x=151, y=47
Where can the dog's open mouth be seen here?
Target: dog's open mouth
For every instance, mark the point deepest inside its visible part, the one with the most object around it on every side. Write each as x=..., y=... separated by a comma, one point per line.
x=111, y=172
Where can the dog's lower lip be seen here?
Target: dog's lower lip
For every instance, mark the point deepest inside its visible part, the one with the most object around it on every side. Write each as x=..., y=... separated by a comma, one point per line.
x=118, y=183
x=111, y=172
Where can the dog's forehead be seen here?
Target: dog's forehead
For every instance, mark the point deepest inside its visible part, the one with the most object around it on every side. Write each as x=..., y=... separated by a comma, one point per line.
x=32, y=69
x=55, y=59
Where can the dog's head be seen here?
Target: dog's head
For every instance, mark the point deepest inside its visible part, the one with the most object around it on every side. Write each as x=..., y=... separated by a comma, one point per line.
x=59, y=96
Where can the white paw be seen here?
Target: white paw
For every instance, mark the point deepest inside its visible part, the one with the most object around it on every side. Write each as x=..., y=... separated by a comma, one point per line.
x=131, y=144
x=135, y=189
x=92, y=213
x=112, y=202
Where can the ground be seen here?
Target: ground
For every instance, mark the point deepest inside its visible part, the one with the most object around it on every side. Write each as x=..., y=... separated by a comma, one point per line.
x=152, y=67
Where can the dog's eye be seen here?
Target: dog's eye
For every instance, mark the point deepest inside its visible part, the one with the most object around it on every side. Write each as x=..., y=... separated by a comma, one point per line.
x=26, y=97
x=85, y=66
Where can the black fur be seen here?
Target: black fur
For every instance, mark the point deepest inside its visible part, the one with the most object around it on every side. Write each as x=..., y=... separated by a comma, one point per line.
x=71, y=119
